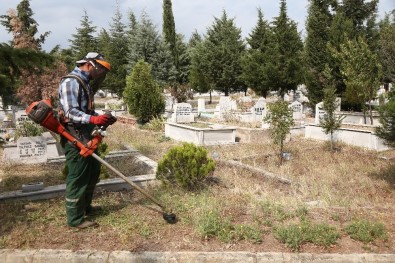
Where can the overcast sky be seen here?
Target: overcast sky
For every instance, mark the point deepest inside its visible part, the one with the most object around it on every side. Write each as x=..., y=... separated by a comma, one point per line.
x=63, y=17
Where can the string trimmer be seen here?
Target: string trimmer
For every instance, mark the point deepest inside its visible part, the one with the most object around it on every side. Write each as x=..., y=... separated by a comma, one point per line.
x=41, y=112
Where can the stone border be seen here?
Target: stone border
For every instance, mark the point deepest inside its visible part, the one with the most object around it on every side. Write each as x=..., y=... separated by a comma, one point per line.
x=92, y=256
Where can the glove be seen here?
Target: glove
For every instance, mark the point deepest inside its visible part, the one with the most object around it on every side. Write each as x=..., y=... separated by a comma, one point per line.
x=101, y=120
x=111, y=119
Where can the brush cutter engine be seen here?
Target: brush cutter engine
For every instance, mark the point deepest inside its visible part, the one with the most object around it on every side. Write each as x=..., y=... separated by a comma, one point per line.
x=42, y=112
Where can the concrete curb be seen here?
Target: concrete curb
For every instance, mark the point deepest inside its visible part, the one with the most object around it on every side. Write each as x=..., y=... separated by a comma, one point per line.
x=91, y=256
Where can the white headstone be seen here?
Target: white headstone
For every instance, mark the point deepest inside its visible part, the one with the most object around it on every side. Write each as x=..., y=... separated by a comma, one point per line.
x=32, y=149
x=169, y=100
x=319, y=112
x=338, y=103
x=201, y=105
x=182, y=113
x=227, y=104
x=297, y=109
x=260, y=106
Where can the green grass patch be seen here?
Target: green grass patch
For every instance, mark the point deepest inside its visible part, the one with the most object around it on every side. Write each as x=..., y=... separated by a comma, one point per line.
x=295, y=235
x=365, y=231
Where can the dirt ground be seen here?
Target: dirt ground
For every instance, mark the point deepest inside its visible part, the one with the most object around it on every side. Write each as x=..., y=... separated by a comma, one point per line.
x=357, y=184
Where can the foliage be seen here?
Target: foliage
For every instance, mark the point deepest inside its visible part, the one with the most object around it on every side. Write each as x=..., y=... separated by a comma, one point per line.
x=387, y=47
x=16, y=63
x=84, y=40
x=256, y=60
x=181, y=93
x=295, y=235
x=285, y=70
x=146, y=44
x=280, y=118
x=361, y=72
x=156, y=124
x=365, y=231
x=212, y=224
x=142, y=94
x=28, y=129
x=169, y=31
x=316, y=52
x=185, y=166
x=386, y=130
x=23, y=27
x=117, y=46
x=330, y=122
x=223, y=49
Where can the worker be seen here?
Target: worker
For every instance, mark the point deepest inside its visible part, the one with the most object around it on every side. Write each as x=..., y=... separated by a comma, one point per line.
x=79, y=118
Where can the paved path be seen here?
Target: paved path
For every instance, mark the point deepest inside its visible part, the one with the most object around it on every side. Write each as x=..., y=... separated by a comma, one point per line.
x=90, y=256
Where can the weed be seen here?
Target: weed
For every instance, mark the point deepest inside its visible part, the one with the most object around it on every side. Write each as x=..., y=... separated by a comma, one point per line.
x=365, y=231
x=295, y=235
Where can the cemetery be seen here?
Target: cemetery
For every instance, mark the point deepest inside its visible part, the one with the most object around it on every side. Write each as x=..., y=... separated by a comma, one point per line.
x=251, y=195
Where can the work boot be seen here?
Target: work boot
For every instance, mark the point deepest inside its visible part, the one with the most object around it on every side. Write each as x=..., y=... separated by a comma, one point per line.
x=87, y=224
x=92, y=210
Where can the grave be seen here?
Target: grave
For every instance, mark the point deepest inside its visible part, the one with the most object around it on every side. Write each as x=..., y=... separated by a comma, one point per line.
x=31, y=150
x=182, y=113
x=297, y=110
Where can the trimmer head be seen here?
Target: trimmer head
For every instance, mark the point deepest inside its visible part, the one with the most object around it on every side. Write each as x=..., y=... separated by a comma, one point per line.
x=170, y=218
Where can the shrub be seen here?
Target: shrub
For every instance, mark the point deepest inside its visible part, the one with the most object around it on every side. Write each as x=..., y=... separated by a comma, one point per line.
x=295, y=235
x=186, y=166
x=366, y=231
x=28, y=129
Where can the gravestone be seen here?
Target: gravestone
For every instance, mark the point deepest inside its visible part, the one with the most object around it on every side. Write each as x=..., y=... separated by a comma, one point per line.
x=297, y=110
x=182, y=113
x=169, y=102
x=319, y=112
x=226, y=105
x=260, y=106
x=31, y=150
x=201, y=105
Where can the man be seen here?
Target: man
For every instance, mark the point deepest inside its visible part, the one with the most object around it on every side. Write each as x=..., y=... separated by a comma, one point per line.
x=78, y=116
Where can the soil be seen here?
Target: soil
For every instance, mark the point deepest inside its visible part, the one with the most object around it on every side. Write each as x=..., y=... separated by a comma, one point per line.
x=130, y=222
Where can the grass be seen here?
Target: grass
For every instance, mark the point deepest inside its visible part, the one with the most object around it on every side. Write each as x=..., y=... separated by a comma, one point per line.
x=366, y=231
x=238, y=208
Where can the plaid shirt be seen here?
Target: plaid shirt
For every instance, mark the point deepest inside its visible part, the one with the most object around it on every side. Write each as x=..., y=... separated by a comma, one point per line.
x=68, y=98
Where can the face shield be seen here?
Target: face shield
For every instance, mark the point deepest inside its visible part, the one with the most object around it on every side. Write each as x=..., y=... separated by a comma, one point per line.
x=98, y=73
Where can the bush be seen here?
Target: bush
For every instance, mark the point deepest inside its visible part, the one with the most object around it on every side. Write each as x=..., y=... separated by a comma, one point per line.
x=366, y=231
x=28, y=129
x=186, y=166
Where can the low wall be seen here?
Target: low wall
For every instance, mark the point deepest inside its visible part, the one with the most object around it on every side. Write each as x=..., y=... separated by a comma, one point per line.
x=361, y=138
x=200, y=136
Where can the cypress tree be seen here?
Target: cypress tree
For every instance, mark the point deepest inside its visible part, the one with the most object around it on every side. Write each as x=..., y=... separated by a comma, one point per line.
x=255, y=60
x=316, y=53
x=169, y=31
x=142, y=94
x=224, y=49
x=285, y=69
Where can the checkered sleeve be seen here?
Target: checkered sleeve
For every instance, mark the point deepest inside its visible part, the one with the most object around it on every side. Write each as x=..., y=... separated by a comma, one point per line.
x=68, y=97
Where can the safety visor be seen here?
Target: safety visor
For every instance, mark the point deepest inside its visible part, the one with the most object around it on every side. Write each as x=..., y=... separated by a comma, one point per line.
x=94, y=56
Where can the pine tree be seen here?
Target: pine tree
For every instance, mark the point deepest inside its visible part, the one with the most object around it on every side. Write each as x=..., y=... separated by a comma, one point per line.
x=118, y=50
x=142, y=94
x=23, y=26
x=224, y=49
x=316, y=53
x=84, y=40
x=146, y=44
x=285, y=68
x=255, y=60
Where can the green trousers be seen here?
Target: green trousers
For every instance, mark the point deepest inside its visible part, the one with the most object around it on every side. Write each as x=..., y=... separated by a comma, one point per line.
x=83, y=175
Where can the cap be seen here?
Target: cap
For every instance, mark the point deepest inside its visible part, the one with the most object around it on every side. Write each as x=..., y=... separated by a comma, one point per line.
x=99, y=58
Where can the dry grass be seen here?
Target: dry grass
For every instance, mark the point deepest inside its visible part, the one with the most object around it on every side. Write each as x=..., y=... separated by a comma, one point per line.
x=349, y=184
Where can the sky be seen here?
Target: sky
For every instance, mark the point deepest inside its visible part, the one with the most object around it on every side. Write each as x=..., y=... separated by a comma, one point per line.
x=62, y=18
